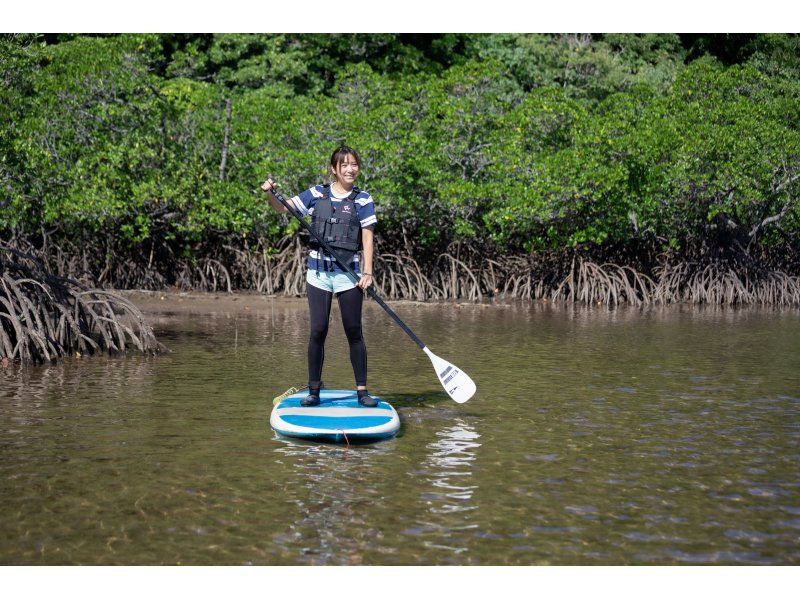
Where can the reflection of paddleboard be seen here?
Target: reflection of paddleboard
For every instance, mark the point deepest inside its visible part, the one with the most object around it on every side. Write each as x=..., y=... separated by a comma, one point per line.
x=338, y=418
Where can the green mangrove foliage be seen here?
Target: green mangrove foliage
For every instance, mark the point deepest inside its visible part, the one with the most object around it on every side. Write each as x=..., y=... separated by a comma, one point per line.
x=135, y=160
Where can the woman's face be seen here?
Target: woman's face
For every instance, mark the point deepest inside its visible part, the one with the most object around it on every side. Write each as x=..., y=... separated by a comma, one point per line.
x=347, y=170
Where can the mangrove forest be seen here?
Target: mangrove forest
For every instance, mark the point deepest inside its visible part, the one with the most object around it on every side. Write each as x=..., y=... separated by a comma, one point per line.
x=619, y=169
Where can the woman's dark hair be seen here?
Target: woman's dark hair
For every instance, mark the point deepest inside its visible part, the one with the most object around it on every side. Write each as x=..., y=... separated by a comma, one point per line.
x=339, y=155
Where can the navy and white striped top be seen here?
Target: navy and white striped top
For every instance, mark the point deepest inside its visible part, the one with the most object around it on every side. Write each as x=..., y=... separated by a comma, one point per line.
x=365, y=209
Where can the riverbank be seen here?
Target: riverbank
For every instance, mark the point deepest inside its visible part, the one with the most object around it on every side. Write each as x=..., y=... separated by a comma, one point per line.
x=155, y=302
x=197, y=301
x=173, y=302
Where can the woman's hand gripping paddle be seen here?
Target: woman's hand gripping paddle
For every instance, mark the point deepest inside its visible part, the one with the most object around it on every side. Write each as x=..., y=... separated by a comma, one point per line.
x=455, y=381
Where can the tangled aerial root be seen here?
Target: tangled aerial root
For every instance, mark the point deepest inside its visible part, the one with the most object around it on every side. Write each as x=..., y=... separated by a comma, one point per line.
x=459, y=273
x=712, y=284
x=44, y=317
x=720, y=285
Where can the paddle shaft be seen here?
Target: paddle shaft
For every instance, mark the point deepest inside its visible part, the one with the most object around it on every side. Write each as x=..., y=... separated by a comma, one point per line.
x=347, y=268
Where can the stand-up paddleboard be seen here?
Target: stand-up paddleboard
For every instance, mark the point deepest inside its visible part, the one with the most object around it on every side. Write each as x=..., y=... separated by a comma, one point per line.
x=455, y=381
x=338, y=418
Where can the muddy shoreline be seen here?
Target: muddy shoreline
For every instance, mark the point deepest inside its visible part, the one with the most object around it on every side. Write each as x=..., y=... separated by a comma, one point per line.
x=155, y=302
x=159, y=303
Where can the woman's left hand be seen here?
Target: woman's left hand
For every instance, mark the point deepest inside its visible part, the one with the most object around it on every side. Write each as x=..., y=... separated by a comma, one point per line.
x=365, y=281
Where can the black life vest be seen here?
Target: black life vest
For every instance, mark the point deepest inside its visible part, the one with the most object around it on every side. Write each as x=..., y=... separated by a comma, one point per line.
x=338, y=225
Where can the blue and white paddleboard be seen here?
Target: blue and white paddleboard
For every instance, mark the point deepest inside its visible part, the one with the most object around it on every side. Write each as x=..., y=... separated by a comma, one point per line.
x=338, y=418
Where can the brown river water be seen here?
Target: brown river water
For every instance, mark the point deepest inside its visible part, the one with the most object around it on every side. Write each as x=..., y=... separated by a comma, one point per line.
x=626, y=436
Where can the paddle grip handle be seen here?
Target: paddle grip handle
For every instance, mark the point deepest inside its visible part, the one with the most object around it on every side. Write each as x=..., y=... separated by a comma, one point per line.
x=372, y=293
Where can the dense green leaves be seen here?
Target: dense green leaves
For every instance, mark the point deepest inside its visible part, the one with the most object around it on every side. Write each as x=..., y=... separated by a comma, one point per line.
x=511, y=142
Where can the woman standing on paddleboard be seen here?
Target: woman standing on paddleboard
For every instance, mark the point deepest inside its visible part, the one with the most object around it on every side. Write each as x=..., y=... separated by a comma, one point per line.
x=344, y=216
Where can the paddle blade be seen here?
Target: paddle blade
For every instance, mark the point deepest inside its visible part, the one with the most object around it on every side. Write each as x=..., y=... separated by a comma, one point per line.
x=458, y=385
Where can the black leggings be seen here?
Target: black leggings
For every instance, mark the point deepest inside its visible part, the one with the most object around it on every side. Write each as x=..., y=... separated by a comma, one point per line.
x=350, y=302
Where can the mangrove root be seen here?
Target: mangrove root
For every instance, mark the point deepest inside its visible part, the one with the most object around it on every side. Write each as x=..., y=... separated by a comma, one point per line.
x=461, y=273
x=44, y=317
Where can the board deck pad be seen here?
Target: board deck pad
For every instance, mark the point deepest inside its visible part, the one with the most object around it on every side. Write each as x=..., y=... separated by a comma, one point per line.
x=338, y=418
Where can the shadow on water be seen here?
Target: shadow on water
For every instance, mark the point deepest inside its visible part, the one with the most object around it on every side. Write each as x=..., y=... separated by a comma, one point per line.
x=428, y=398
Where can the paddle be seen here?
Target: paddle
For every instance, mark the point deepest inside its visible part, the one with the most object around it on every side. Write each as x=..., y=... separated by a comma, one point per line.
x=455, y=381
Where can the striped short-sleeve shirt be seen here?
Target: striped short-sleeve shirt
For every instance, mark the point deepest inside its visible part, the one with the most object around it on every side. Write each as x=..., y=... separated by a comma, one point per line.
x=365, y=209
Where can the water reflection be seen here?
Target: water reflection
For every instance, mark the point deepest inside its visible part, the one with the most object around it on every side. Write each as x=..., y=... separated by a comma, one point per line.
x=449, y=499
x=334, y=490
x=451, y=459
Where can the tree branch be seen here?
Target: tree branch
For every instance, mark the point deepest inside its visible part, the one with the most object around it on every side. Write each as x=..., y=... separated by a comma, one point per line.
x=780, y=215
x=225, y=141
x=786, y=183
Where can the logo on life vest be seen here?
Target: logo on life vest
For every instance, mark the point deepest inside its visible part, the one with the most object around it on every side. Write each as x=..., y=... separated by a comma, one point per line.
x=346, y=208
